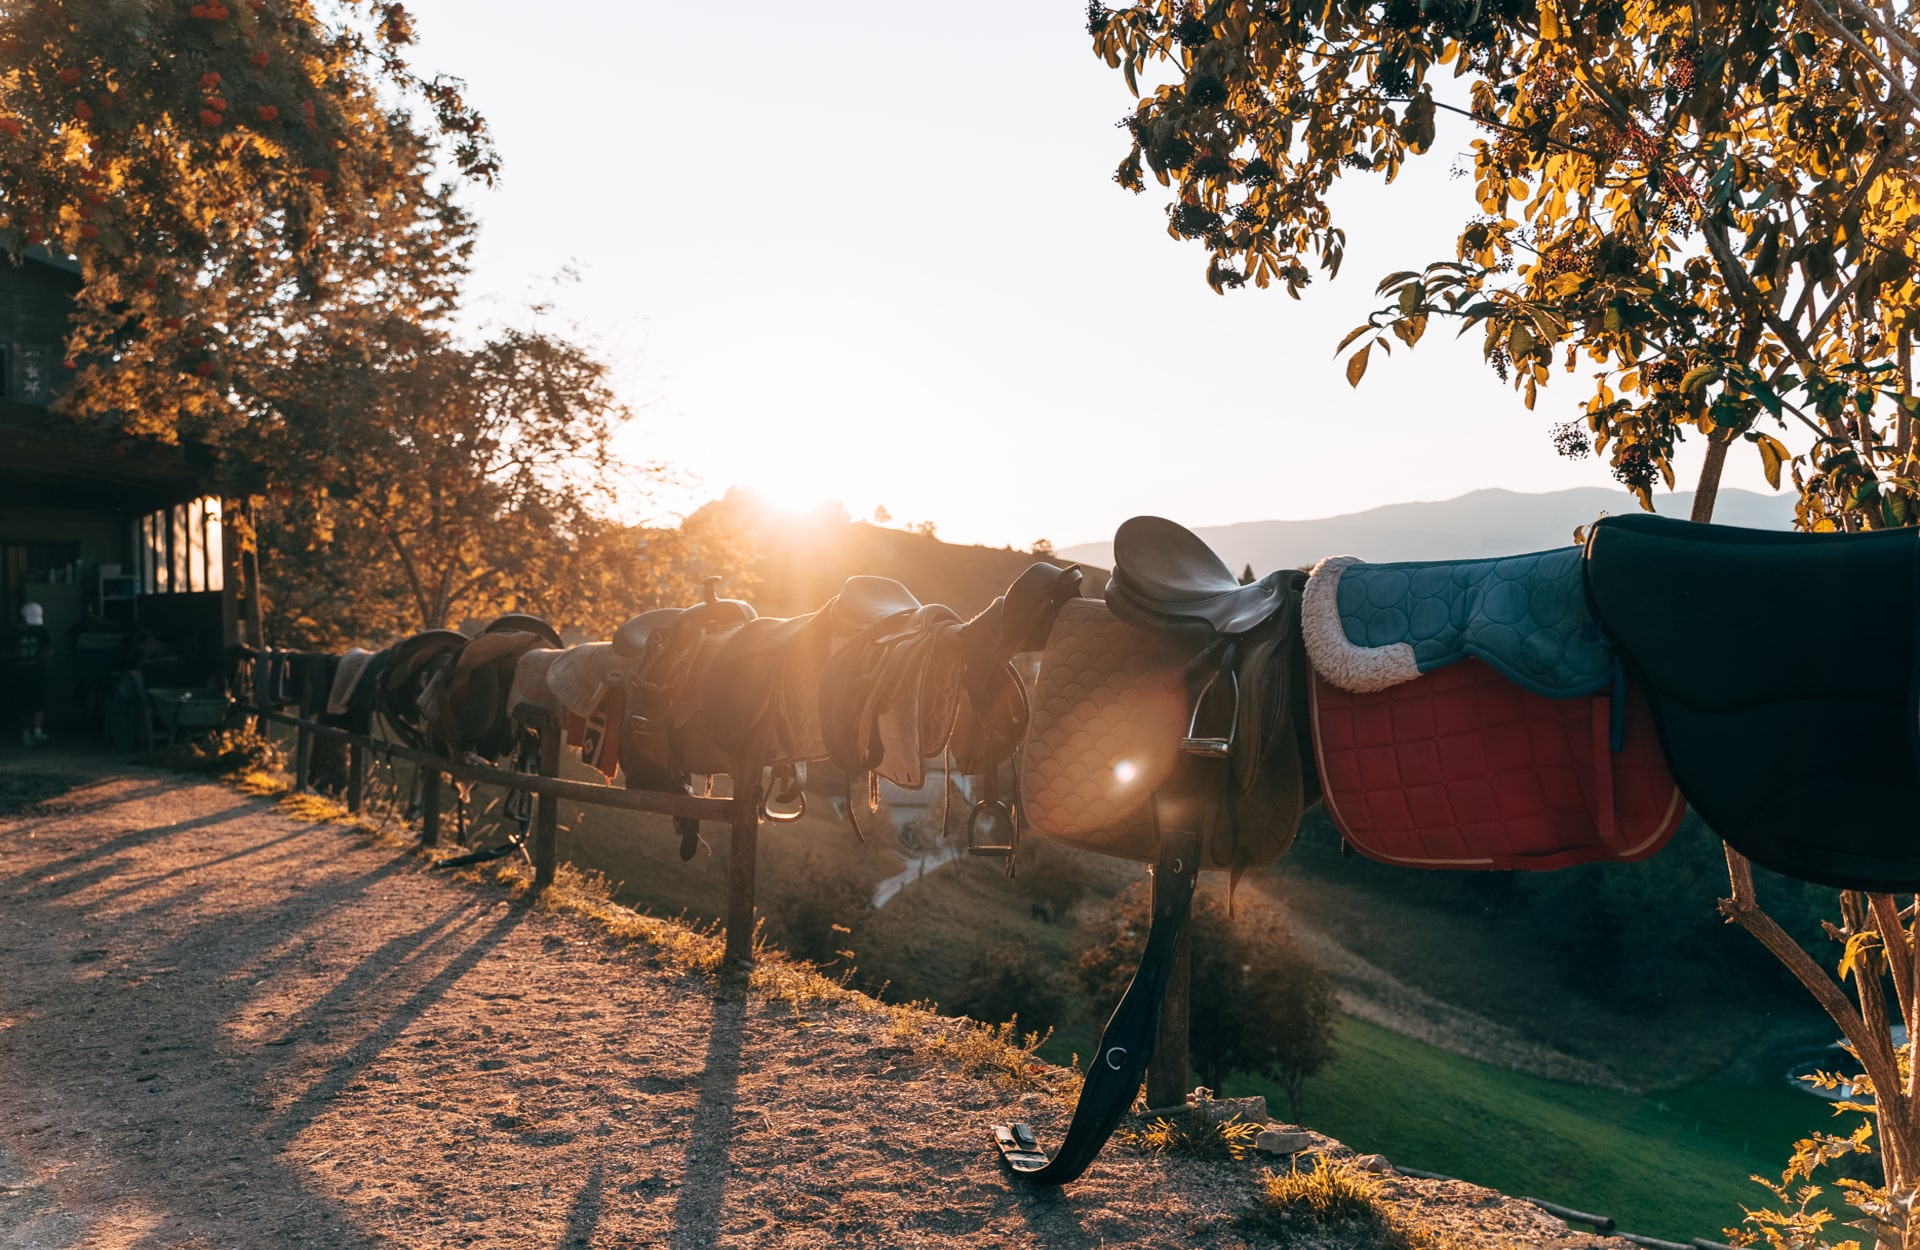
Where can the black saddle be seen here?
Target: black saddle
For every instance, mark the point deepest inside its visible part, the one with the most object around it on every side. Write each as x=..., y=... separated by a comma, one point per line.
x=1164, y=574
x=520, y=622
x=1170, y=729
x=1781, y=669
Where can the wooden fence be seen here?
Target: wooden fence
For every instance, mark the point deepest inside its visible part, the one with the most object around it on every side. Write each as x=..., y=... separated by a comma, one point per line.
x=741, y=813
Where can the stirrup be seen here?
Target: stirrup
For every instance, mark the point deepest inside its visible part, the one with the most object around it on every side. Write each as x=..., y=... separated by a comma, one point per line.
x=993, y=830
x=788, y=789
x=1213, y=747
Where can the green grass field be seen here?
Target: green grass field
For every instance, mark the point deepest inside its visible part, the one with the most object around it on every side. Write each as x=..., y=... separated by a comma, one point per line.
x=1672, y=1165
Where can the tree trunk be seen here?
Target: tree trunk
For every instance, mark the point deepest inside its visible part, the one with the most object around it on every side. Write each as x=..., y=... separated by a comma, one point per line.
x=1867, y=1028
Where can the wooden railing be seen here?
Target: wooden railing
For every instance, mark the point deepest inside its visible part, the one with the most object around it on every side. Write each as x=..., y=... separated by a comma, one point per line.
x=740, y=813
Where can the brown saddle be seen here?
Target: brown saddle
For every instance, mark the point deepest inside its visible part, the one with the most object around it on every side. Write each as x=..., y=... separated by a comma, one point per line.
x=465, y=703
x=412, y=663
x=1168, y=727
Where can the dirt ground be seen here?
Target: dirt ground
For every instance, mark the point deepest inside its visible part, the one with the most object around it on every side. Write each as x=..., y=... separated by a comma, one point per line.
x=222, y=1027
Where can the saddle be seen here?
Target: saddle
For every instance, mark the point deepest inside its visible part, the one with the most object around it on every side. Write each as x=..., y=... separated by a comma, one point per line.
x=412, y=663
x=521, y=623
x=1166, y=728
x=465, y=703
x=348, y=672
x=1471, y=714
x=1782, y=676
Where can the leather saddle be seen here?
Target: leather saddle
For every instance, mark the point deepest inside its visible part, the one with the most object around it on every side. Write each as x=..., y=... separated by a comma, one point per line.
x=663, y=740
x=1782, y=674
x=1167, y=727
x=411, y=665
x=870, y=682
x=1472, y=714
x=465, y=703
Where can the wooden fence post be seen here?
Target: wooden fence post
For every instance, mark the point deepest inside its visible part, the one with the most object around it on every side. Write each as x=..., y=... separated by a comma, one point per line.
x=742, y=852
x=302, y=754
x=357, y=761
x=430, y=806
x=546, y=818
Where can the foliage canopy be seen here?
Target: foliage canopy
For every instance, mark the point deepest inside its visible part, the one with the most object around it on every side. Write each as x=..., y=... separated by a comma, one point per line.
x=1708, y=203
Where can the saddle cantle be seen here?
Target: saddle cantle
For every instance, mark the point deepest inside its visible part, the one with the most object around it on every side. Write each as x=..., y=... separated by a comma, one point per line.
x=1165, y=728
x=1782, y=676
x=1471, y=714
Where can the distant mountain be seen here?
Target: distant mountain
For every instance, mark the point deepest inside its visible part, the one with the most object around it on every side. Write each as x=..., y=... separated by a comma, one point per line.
x=1483, y=523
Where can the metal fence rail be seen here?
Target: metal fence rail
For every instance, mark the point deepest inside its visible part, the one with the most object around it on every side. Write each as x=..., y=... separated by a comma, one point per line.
x=741, y=813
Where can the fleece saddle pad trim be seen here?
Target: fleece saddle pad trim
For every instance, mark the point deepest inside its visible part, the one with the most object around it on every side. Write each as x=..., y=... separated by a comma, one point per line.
x=1463, y=769
x=1782, y=673
x=1372, y=626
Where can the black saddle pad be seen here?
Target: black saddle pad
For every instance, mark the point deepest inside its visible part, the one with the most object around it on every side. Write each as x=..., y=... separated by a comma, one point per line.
x=1781, y=669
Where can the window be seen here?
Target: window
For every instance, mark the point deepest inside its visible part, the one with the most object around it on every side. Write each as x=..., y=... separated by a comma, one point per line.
x=180, y=549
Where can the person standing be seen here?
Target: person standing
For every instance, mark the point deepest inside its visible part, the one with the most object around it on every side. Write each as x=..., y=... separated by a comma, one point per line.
x=32, y=648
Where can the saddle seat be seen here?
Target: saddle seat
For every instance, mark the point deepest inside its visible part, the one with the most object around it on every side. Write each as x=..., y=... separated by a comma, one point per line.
x=1165, y=573
x=865, y=601
x=630, y=640
x=1372, y=626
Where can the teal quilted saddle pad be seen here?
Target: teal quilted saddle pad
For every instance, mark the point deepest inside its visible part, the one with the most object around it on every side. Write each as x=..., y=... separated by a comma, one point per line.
x=1372, y=626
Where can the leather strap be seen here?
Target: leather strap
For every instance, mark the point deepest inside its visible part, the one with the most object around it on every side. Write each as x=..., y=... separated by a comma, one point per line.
x=1126, y=1044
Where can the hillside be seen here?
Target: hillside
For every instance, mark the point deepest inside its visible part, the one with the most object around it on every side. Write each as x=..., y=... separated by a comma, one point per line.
x=1482, y=523
x=227, y=1023
x=802, y=562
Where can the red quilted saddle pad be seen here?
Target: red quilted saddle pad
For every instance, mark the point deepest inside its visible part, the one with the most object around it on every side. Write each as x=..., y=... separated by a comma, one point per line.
x=1461, y=768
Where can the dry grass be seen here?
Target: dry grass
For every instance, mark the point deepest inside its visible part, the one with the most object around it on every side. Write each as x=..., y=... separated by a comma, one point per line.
x=1195, y=1136
x=1001, y=1052
x=1337, y=1196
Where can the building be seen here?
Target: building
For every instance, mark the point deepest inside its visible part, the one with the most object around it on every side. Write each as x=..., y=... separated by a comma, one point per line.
x=119, y=540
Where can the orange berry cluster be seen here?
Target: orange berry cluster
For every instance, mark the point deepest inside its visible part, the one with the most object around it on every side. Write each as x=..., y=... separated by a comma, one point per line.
x=210, y=12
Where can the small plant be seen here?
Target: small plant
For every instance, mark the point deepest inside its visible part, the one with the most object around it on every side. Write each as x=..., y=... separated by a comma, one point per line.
x=1333, y=1193
x=225, y=753
x=1195, y=1136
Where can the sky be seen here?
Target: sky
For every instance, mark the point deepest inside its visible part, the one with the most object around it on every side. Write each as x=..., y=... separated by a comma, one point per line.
x=872, y=253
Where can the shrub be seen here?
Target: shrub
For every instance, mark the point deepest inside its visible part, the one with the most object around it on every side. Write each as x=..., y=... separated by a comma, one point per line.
x=1333, y=1193
x=814, y=914
x=1259, y=1004
x=1052, y=875
x=1007, y=983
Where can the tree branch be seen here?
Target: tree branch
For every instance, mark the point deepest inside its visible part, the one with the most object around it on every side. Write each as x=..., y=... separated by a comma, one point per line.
x=1873, y=1050
x=1894, y=81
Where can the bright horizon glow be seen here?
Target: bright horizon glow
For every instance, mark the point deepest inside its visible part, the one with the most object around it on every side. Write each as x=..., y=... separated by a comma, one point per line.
x=877, y=257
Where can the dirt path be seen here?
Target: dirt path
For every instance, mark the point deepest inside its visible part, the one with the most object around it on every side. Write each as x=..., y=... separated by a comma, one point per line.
x=222, y=1027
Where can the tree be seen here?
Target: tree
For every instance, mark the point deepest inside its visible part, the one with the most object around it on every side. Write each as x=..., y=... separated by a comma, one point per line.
x=1709, y=201
x=1012, y=983
x=1260, y=1005
x=455, y=484
x=240, y=182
